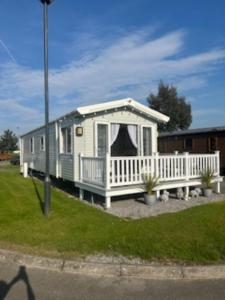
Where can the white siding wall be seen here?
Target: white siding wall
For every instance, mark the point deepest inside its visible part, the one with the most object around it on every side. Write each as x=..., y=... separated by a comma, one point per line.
x=36, y=160
x=66, y=166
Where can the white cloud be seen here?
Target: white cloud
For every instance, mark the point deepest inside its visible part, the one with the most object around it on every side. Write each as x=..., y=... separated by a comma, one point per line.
x=15, y=109
x=131, y=66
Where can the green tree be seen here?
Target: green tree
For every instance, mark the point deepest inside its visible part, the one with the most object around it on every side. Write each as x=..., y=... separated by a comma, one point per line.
x=8, y=141
x=169, y=103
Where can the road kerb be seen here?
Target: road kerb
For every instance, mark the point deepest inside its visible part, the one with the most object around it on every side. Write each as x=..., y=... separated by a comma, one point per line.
x=142, y=271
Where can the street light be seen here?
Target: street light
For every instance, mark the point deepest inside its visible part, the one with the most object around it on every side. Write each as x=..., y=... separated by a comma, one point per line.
x=47, y=183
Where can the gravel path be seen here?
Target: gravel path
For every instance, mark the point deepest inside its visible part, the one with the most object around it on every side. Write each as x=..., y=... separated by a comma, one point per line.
x=135, y=208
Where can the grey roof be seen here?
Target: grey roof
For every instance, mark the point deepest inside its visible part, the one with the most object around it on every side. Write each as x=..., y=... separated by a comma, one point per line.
x=192, y=131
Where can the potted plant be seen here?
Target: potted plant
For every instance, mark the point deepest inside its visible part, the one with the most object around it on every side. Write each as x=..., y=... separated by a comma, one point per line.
x=207, y=177
x=151, y=182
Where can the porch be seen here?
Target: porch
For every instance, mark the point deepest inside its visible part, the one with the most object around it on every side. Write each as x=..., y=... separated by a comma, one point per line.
x=112, y=176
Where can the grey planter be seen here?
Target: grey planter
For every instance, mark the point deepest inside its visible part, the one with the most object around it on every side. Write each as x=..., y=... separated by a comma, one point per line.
x=149, y=199
x=208, y=193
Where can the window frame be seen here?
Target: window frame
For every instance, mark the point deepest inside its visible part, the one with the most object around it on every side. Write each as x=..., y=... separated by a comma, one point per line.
x=42, y=145
x=64, y=140
x=210, y=143
x=108, y=150
x=142, y=139
x=32, y=145
x=187, y=148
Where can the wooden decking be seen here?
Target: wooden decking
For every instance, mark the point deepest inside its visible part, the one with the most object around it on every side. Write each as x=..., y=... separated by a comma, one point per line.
x=112, y=176
x=140, y=188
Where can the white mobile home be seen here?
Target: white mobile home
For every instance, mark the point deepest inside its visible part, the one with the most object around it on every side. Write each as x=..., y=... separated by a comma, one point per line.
x=106, y=148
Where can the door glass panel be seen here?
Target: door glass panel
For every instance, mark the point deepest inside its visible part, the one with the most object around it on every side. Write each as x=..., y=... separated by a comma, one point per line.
x=147, y=141
x=102, y=139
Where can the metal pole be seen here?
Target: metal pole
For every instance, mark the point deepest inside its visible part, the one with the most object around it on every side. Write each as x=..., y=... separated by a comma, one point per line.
x=47, y=183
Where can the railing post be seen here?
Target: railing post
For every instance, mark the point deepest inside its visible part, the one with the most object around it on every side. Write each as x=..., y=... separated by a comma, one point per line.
x=217, y=153
x=156, y=166
x=107, y=171
x=186, y=165
x=25, y=170
x=81, y=166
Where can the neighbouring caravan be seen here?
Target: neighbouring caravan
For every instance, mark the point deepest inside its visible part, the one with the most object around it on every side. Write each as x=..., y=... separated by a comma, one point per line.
x=106, y=148
x=198, y=140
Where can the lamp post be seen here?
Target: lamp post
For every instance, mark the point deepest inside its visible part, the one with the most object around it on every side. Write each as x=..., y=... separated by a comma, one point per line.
x=47, y=183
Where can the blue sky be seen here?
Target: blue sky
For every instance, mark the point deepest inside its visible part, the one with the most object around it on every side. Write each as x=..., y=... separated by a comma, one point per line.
x=105, y=50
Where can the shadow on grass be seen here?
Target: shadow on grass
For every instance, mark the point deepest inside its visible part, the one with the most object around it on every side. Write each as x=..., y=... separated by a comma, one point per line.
x=69, y=189
x=21, y=276
x=41, y=201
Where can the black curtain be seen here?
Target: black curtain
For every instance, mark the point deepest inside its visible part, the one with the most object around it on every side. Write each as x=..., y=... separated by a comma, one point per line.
x=123, y=145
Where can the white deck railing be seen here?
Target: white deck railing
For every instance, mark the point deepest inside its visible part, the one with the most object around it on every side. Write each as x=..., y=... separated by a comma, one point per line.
x=120, y=171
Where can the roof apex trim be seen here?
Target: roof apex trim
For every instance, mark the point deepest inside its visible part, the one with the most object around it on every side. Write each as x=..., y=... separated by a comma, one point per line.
x=85, y=110
x=122, y=103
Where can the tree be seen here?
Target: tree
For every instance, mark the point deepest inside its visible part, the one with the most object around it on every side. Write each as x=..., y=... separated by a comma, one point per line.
x=169, y=103
x=8, y=141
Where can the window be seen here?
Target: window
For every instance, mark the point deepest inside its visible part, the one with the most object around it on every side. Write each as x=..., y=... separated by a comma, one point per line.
x=42, y=143
x=32, y=145
x=212, y=144
x=66, y=145
x=188, y=144
x=147, y=141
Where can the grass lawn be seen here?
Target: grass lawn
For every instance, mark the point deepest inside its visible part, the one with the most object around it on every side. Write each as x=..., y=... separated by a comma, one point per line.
x=73, y=229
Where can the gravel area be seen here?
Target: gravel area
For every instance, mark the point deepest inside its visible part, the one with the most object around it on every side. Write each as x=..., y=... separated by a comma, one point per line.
x=136, y=208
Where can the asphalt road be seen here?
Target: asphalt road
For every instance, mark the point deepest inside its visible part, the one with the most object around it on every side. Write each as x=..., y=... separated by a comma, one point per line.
x=18, y=282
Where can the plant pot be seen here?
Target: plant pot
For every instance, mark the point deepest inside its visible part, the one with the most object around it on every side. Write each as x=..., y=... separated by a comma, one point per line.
x=208, y=193
x=149, y=199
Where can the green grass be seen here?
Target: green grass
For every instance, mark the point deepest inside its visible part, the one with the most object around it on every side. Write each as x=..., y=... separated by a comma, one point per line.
x=73, y=229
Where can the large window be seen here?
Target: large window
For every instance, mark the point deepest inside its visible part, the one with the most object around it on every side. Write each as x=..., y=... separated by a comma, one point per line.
x=124, y=139
x=147, y=141
x=66, y=145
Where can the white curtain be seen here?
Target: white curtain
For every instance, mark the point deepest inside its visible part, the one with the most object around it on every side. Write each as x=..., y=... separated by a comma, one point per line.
x=114, y=132
x=132, y=130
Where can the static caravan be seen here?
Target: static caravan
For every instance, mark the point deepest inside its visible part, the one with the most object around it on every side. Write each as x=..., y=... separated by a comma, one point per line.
x=106, y=148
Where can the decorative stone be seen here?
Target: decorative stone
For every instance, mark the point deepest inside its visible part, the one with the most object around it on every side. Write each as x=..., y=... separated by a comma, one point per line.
x=180, y=193
x=199, y=191
x=165, y=196
x=194, y=194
